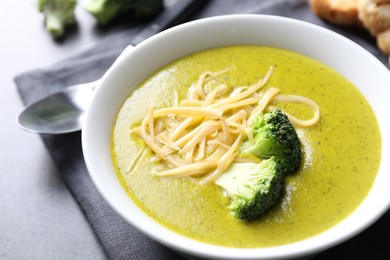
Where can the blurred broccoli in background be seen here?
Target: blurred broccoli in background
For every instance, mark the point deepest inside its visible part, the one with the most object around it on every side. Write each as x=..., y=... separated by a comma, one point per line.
x=106, y=10
x=58, y=14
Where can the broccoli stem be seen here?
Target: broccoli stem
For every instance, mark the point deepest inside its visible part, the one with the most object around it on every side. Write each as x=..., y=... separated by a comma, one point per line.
x=58, y=14
x=54, y=25
x=106, y=10
x=103, y=10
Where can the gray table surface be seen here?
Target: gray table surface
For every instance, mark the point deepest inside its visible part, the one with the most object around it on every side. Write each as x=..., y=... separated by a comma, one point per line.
x=39, y=218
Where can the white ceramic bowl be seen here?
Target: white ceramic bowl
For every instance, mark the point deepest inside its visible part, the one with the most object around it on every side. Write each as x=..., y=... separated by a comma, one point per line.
x=352, y=61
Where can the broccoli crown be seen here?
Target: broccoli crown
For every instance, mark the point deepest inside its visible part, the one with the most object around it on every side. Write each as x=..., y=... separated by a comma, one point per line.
x=252, y=187
x=106, y=10
x=274, y=135
x=58, y=14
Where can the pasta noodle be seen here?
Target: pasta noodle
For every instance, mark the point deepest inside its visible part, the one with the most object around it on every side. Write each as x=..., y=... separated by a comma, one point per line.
x=200, y=135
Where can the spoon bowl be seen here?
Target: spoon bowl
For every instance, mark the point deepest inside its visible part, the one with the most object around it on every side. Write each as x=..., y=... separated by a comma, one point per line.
x=58, y=113
x=61, y=112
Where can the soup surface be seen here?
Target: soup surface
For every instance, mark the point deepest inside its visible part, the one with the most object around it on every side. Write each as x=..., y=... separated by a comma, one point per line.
x=341, y=155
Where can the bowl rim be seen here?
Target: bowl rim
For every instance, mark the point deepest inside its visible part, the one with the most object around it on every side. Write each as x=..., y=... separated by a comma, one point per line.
x=283, y=251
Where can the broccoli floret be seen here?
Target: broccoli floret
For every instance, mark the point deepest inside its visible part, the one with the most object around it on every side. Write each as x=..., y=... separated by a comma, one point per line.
x=58, y=14
x=252, y=187
x=274, y=135
x=106, y=10
x=255, y=187
x=147, y=8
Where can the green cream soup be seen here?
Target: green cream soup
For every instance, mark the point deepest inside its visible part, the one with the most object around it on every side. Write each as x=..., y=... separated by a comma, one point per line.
x=341, y=155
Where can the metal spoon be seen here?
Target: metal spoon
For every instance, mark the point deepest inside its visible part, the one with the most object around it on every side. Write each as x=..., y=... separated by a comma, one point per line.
x=63, y=112
x=58, y=113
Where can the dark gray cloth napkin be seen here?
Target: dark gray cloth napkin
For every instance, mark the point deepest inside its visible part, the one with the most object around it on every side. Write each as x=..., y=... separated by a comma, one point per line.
x=119, y=239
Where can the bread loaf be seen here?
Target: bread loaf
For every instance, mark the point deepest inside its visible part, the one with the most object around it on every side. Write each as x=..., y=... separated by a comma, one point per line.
x=342, y=12
x=374, y=15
